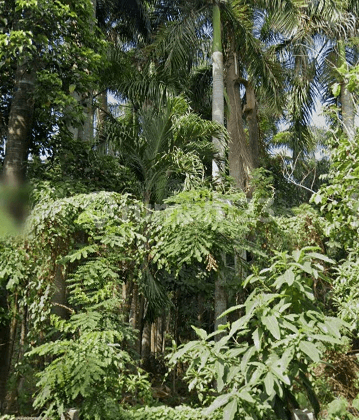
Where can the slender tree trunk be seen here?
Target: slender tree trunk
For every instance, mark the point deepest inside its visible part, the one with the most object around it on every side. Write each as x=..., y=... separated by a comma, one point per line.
x=218, y=91
x=136, y=313
x=19, y=379
x=220, y=298
x=146, y=343
x=240, y=162
x=220, y=304
x=101, y=111
x=5, y=350
x=85, y=130
x=348, y=111
x=346, y=98
x=153, y=337
x=19, y=127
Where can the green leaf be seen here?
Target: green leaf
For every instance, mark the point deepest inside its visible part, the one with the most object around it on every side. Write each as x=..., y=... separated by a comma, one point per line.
x=217, y=403
x=271, y=323
x=297, y=254
x=230, y=410
x=219, y=368
x=288, y=277
x=322, y=257
x=202, y=334
x=257, y=337
x=269, y=383
x=336, y=88
x=279, y=374
x=183, y=350
x=246, y=358
x=245, y=395
x=310, y=350
x=326, y=338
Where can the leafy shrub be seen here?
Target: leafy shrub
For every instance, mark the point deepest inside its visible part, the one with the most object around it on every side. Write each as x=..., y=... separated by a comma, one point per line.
x=181, y=412
x=265, y=354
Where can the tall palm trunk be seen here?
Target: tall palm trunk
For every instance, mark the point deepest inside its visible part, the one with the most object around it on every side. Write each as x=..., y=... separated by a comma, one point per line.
x=218, y=89
x=85, y=130
x=220, y=296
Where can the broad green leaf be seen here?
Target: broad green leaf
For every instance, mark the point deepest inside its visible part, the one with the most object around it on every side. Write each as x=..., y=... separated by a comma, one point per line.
x=245, y=395
x=189, y=346
x=297, y=254
x=246, y=358
x=322, y=257
x=217, y=403
x=287, y=357
x=334, y=325
x=257, y=338
x=310, y=350
x=232, y=309
x=288, y=277
x=239, y=324
x=270, y=321
x=278, y=372
x=269, y=383
x=257, y=374
x=232, y=373
x=219, y=369
x=202, y=334
x=326, y=338
x=230, y=410
x=204, y=358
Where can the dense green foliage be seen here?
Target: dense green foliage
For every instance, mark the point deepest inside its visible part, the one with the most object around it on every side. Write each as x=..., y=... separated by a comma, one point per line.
x=123, y=242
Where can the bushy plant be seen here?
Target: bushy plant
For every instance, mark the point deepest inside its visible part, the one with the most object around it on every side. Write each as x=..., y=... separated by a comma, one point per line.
x=180, y=412
x=93, y=241
x=263, y=357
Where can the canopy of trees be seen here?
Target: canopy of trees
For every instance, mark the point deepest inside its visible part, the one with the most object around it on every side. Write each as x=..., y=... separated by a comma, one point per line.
x=178, y=237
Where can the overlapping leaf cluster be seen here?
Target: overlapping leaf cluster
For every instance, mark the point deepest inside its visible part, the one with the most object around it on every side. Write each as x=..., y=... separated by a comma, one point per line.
x=264, y=356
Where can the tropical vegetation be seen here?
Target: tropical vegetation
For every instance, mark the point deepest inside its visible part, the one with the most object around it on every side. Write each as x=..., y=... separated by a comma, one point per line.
x=179, y=236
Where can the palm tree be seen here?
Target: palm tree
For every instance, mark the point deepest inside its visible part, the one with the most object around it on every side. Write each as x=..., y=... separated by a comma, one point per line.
x=164, y=146
x=220, y=295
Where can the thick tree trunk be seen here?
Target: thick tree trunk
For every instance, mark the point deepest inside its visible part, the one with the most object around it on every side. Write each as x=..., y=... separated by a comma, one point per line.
x=13, y=177
x=59, y=298
x=85, y=132
x=19, y=128
x=240, y=162
x=251, y=114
